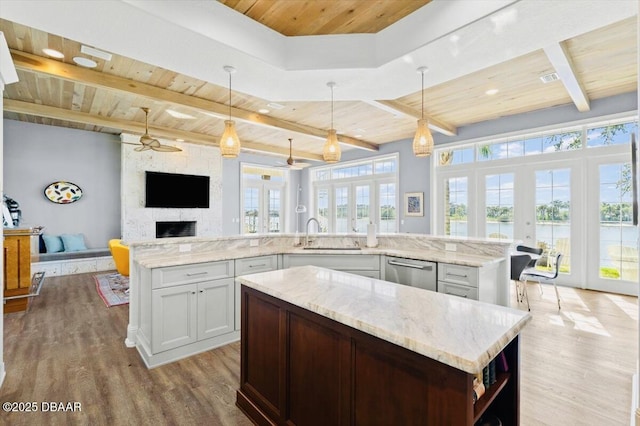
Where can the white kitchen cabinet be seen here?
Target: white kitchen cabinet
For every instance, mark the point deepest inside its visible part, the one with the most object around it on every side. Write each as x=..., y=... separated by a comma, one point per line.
x=251, y=265
x=477, y=283
x=186, y=309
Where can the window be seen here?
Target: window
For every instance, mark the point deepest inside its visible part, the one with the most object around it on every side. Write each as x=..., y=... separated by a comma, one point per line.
x=349, y=196
x=455, y=207
x=263, y=189
x=566, y=190
x=553, y=202
x=499, y=200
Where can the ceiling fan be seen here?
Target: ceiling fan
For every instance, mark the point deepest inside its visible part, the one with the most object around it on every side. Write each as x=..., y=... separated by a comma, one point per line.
x=150, y=143
x=294, y=164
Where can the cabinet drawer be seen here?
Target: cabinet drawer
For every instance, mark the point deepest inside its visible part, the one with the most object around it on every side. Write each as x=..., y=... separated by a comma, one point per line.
x=457, y=274
x=339, y=262
x=250, y=265
x=185, y=274
x=458, y=290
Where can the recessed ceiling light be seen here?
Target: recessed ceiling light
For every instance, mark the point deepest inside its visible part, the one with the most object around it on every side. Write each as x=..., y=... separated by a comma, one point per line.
x=275, y=105
x=53, y=53
x=491, y=92
x=179, y=140
x=357, y=136
x=180, y=115
x=264, y=111
x=85, y=62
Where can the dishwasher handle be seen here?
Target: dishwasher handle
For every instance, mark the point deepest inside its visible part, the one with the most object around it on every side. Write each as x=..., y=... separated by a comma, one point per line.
x=410, y=265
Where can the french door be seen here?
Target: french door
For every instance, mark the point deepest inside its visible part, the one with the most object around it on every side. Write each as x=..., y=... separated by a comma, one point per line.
x=262, y=209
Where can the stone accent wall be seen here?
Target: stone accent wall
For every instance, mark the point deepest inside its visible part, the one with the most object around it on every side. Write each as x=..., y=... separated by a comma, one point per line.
x=138, y=222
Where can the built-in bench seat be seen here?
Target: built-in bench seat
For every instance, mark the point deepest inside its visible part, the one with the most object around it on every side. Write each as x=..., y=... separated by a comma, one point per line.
x=73, y=262
x=67, y=255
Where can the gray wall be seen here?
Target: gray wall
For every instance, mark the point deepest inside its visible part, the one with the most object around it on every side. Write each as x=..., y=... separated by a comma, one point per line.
x=37, y=155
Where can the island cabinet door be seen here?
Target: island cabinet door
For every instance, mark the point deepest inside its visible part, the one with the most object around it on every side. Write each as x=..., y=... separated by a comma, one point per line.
x=317, y=374
x=216, y=301
x=174, y=317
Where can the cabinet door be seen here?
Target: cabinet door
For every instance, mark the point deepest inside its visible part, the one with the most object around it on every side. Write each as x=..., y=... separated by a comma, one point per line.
x=173, y=317
x=215, y=308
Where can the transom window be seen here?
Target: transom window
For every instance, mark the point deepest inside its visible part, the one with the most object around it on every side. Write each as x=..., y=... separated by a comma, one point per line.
x=349, y=196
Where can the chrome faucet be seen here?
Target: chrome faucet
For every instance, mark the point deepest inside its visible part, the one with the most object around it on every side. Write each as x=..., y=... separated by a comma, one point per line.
x=311, y=219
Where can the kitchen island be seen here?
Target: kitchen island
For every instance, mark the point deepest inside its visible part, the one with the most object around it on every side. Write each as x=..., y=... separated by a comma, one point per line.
x=326, y=347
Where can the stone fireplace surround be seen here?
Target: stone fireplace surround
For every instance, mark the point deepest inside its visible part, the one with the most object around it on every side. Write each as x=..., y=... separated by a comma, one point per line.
x=138, y=222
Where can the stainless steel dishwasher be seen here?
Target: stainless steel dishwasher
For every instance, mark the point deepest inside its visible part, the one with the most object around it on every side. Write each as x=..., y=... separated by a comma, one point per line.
x=414, y=273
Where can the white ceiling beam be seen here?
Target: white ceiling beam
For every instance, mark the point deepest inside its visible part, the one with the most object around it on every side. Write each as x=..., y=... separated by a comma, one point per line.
x=561, y=60
x=395, y=108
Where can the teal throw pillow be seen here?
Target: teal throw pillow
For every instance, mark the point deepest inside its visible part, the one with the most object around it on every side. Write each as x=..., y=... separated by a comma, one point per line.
x=53, y=243
x=73, y=242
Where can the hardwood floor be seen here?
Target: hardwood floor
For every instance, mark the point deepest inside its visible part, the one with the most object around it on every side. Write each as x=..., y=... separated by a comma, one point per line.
x=577, y=364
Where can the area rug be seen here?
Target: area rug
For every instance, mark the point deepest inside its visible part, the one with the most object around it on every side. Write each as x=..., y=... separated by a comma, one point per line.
x=113, y=288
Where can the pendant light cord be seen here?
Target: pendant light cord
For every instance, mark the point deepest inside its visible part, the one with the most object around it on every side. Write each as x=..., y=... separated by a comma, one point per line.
x=332, y=107
x=229, y=96
x=422, y=72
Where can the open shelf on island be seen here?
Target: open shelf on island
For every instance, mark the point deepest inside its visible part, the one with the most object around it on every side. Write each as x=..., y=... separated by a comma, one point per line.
x=490, y=394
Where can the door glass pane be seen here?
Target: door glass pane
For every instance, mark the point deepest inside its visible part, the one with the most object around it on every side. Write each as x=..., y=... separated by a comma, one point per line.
x=323, y=209
x=499, y=202
x=618, y=236
x=363, y=202
x=553, y=221
x=455, y=207
x=274, y=224
x=251, y=207
x=342, y=209
x=387, y=208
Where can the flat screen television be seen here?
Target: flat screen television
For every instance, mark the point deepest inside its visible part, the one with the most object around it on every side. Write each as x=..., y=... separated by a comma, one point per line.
x=173, y=190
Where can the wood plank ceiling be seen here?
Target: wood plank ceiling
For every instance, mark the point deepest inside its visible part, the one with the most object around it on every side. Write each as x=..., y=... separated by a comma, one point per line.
x=108, y=98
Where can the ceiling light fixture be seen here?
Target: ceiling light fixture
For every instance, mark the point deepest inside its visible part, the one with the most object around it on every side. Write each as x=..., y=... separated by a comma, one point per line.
x=423, y=140
x=491, y=92
x=85, y=62
x=331, y=151
x=229, y=143
x=264, y=111
x=53, y=53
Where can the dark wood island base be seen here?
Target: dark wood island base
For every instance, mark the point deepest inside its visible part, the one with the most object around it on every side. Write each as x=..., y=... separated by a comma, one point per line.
x=301, y=368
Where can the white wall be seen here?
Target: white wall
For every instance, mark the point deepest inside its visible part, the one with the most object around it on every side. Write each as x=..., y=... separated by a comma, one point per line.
x=36, y=155
x=138, y=222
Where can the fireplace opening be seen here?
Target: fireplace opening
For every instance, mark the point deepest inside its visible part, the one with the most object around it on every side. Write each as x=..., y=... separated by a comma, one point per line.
x=175, y=229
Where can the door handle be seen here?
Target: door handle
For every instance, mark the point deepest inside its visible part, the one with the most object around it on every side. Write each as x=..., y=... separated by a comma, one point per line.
x=194, y=274
x=410, y=265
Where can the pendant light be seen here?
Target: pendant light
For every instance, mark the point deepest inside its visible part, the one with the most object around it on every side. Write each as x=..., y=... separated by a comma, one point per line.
x=229, y=142
x=331, y=152
x=423, y=141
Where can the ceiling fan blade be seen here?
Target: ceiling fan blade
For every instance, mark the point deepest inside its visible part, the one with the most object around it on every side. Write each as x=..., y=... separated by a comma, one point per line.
x=166, y=148
x=142, y=148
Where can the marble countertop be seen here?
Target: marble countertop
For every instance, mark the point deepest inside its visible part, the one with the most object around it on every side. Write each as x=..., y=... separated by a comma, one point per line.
x=158, y=260
x=464, y=334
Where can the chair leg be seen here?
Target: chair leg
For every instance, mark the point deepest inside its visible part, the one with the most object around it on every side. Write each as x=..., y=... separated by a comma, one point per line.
x=557, y=294
x=526, y=295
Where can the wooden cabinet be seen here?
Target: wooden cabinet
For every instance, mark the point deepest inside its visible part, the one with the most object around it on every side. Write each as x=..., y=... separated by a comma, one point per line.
x=17, y=268
x=362, y=264
x=186, y=309
x=301, y=368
